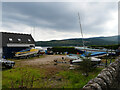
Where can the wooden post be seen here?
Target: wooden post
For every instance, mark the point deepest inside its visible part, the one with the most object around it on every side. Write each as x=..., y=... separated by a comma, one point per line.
x=111, y=55
x=106, y=58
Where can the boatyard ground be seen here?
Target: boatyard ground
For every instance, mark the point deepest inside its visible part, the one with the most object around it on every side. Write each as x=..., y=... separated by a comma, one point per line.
x=42, y=72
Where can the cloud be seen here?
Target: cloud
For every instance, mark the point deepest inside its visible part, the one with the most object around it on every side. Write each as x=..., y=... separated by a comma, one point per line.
x=60, y=20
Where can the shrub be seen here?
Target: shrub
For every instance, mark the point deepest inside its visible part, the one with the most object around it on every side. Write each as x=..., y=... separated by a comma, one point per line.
x=85, y=65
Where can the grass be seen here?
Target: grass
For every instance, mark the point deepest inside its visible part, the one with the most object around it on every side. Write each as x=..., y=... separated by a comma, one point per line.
x=21, y=77
x=75, y=79
x=47, y=76
x=28, y=77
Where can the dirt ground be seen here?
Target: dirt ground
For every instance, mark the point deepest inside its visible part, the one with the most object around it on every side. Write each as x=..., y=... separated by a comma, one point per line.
x=46, y=60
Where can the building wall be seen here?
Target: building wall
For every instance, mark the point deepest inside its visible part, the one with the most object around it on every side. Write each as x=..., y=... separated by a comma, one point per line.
x=1, y=45
x=9, y=52
x=1, y=52
x=0, y=39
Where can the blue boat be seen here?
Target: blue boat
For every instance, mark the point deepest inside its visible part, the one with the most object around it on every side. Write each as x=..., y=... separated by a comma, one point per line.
x=94, y=54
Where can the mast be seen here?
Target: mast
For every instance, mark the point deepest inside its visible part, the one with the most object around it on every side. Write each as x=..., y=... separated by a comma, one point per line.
x=34, y=32
x=81, y=30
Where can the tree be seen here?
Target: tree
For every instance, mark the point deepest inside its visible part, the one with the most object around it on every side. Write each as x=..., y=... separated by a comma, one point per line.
x=85, y=65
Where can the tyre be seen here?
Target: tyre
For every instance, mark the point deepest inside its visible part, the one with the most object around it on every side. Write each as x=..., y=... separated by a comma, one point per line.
x=9, y=67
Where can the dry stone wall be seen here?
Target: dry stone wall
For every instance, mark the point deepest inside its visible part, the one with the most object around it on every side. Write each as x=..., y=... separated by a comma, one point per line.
x=107, y=79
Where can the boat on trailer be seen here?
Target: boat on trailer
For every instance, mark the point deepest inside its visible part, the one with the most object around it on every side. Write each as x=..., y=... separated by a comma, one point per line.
x=94, y=61
x=77, y=59
x=29, y=52
x=72, y=56
x=94, y=54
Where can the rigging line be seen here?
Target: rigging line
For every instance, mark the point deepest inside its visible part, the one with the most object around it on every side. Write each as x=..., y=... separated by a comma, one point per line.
x=81, y=31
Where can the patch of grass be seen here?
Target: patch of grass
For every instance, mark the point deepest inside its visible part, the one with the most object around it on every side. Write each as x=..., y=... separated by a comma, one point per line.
x=30, y=77
x=21, y=77
x=75, y=79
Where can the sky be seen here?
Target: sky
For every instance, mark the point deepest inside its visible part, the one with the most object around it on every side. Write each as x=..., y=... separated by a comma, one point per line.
x=59, y=20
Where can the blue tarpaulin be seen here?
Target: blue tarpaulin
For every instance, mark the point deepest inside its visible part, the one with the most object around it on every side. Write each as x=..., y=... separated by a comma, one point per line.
x=93, y=53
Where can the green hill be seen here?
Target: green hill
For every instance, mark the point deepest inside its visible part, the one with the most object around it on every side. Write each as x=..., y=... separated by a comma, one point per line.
x=78, y=41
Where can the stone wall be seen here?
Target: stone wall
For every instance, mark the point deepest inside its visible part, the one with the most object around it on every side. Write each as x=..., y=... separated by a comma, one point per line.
x=107, y=79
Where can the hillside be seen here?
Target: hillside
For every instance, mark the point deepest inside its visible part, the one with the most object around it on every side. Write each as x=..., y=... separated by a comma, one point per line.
x=78, y=41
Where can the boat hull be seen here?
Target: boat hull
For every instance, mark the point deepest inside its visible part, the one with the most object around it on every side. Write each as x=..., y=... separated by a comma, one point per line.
x=27, y=52
x=94, y=61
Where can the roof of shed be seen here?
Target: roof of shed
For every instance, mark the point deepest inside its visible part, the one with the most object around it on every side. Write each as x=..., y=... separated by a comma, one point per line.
x=16, y=38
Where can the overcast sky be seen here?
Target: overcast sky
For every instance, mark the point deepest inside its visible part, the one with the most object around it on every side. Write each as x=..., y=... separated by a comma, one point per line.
x=55, y=21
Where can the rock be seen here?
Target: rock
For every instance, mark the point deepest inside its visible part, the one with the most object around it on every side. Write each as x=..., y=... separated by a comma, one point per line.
x=105, y=78
x=99, y=81
x=55, y=63
x=71, y=68
x=94, y=86
x=108, y=74
x=59, y=79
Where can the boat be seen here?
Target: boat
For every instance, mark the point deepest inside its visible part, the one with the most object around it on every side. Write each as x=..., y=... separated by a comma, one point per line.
x=94, y=54
x=6, y=63
x=72, y=56
x=86, y=54
x=94, y=61
x=27, y=52
x=41, y=50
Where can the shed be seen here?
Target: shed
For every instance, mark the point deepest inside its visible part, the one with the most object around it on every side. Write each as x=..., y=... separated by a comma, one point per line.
x=14, y=42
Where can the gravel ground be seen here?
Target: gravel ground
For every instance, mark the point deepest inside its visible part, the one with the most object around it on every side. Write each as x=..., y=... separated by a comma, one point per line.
x=48, y=59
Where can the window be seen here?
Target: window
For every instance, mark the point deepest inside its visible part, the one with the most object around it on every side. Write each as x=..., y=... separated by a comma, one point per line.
x=29, y=40
x=10, y=39
x=19, y=39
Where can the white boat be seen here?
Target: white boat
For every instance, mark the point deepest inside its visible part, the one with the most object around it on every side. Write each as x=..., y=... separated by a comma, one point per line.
x=72, y=56
x=94, y=61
